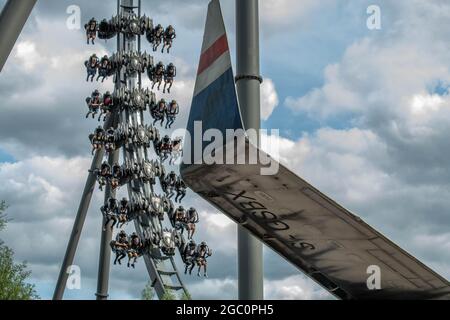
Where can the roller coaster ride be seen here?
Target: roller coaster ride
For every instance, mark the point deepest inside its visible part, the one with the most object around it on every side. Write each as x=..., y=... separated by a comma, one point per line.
x=144, y=152
x=328, y=243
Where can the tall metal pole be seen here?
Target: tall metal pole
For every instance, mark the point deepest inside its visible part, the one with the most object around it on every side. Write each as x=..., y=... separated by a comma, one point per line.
x=12, y=19
x=250, y=262
x=104, y=264
x=79, y=222
x=107, y=232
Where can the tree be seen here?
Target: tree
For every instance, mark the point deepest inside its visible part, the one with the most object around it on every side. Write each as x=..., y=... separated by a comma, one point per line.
x=149, y=292
x=13, y=285
x=185, y=296
x=168, y=295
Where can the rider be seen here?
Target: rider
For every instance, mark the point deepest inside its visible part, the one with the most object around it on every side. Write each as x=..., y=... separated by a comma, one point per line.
x=110, y=212
x=91, y=66
x=110, y=140
x=104, y=68
x=203, y=252
x=158, y=111
x=157, y=74
x=169, y=73
x=165, y=148
x=157, y=36
x=103, y=174
x=176, y=150
x=169, y=36
x=191, y=220
x=93, y=103
x=116, y=176
x=120, y=246
x=179, y=218
x=180, y=187
x=189, y=254
x=97, y=139
x=171, y=113
x=135, y=248
x=107, y=105
x=124, y=212
x=91, y=30
x=170, y=183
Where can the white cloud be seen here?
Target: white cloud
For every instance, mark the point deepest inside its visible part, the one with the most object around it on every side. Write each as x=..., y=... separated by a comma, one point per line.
x=293, y=288
x=269, y=98
x=285, y=12
x=214, y=289
x=27, y=55
x=389, y=166
x=296, y=287
x=41, y=188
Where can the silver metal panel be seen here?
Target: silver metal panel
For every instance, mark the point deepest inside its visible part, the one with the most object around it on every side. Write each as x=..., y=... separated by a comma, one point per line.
x=313, y=232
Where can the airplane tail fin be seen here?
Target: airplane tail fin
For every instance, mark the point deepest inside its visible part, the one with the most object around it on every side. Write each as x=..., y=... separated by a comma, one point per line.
x=215, y=101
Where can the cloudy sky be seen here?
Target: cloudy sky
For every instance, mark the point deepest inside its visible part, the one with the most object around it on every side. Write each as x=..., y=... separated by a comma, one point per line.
x=364, y=115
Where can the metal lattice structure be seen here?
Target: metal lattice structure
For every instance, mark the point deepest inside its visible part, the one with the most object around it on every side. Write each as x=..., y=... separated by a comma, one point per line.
x=162, y=269
x=141, y=145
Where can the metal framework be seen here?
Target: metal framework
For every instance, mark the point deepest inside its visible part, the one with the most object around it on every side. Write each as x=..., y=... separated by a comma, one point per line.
x=12, y=19
x=160, y=266
x=248, y=81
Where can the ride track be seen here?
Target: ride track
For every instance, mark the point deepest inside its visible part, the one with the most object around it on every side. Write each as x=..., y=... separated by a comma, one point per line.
x=161, y=273
x=161, y=268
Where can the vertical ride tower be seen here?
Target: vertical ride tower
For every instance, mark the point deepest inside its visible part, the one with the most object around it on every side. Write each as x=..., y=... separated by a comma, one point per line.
x=143, y=151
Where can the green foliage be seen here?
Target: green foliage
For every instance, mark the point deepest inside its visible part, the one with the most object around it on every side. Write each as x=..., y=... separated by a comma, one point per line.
x=186, y=296
x=13, y=285
x=169, y=295
x=3, y=219
x=149, y=292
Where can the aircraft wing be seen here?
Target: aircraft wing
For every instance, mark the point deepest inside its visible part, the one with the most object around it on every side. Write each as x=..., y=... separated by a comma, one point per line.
x=321, y=238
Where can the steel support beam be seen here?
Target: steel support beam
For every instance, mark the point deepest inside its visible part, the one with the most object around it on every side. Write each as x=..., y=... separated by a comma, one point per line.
x=12, y=19
x=104, y=263
x=79, y=221
x=250, y=261
x=107, y=233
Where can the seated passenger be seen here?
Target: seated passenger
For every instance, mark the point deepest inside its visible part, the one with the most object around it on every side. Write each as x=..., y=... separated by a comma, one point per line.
x=91, y=30
x=169, y=36
x=203, y=252
x=171, y=113
x=169, y=74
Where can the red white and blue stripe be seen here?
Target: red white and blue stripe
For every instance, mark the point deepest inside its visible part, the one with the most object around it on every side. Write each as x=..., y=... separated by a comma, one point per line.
x=215, y=101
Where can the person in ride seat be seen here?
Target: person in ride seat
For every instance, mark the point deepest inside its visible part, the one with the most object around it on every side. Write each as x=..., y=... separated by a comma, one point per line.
x=91, y=30
x=170, y=183
x=124, y=212
x=169, y=36
x=172, y=111
x=97, y=139
x=166, y=148
x=169, y=74
x=157, y=75
x=120, y=246
x=180, y=187
x=93, y=103
x=157, y=36
x=91, y=67
x=134, y=250
x=110, y=140
x=117, y=175
x=191, y=221
x=110, y=212
x=189, y=256
x=179, y=218
x=104, y=68
x=158, y=112
x=106, y=106
x=203, y=252
x=103, y=174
